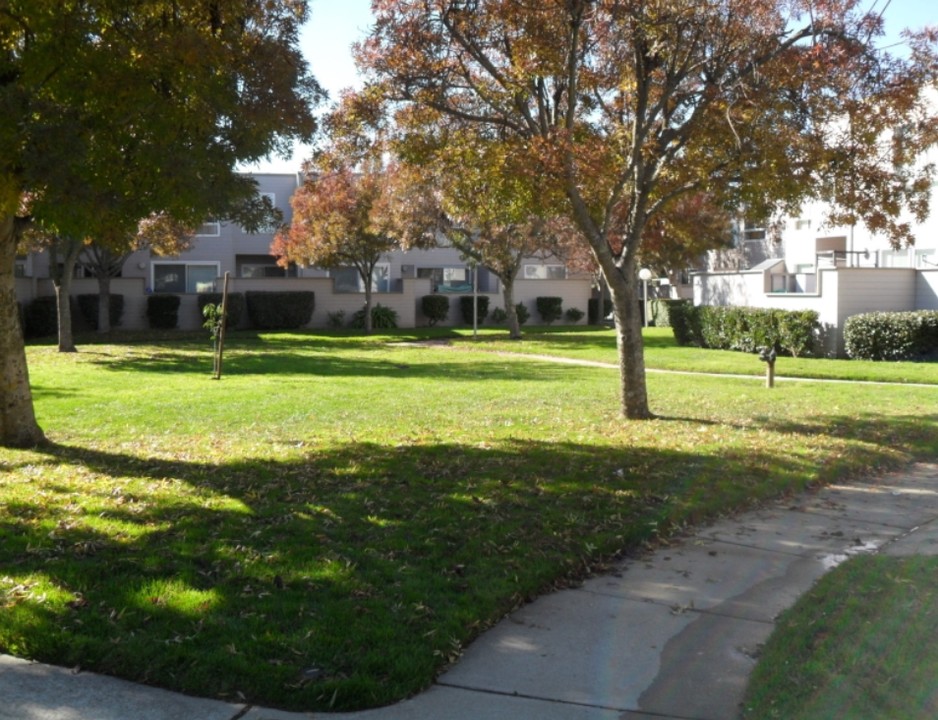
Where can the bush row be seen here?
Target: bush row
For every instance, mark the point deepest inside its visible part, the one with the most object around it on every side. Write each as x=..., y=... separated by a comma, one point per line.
x=436, y=309
x=40, y=316
x=892, y=335
x=743, y=328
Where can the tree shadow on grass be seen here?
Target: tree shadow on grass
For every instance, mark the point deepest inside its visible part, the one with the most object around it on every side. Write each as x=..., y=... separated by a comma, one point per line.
x=286, y=360
x=347, y=577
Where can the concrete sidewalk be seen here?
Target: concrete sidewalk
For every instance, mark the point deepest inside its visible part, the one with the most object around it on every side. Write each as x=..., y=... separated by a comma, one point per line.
x=669, y=636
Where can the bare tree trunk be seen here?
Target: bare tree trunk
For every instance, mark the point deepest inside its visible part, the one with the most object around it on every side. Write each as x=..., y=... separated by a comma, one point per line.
x=629, y=343
x=63, y=286
x=511, y=312
x=18, y=427
x=368, y=324
x=104, y=303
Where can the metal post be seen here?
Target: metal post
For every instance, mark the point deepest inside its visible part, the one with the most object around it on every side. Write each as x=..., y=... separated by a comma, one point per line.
x=644, y=275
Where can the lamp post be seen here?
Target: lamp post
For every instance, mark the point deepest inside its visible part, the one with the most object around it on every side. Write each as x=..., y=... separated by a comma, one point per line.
x=644, y=275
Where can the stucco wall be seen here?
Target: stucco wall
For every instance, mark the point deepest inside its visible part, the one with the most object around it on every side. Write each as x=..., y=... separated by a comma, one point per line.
x=575, y=293
x=926, y=290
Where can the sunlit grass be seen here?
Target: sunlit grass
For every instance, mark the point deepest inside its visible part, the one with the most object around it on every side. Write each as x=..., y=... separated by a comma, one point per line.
x=856, y=646
x=331, y=522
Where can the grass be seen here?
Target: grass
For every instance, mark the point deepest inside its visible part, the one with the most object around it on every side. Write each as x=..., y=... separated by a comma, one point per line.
x=329, y=525
x=661, y=352
x=857, y=647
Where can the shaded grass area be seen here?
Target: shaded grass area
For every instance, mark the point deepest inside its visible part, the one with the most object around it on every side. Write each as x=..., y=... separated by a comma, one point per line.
x=857, y=646
x=328, y=525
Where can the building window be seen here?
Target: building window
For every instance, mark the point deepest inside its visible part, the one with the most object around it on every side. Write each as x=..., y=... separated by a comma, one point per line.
x=544, y=272
x=210, y=228
x=754, y=231
x=180, y=277
x=348, y=280
x=447, y=279
x=803, y=224
x=19, y=268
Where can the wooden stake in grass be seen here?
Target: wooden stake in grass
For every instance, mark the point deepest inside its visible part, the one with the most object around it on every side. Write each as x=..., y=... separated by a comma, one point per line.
x=221, y=332
x=216, y=317
x=767, y=355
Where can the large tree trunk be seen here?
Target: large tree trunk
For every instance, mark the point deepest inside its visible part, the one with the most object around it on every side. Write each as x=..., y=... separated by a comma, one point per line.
x=634, y=394
x=511, y=312
x=63, y=287
x=104, y=303
x=368, y=326
x=18, y=427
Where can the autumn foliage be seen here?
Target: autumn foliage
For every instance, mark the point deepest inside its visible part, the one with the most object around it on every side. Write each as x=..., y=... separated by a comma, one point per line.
x=622, y=107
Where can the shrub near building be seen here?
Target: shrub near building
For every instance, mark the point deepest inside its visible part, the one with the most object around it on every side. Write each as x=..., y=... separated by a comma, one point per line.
x=892, y=335
x=744, y=329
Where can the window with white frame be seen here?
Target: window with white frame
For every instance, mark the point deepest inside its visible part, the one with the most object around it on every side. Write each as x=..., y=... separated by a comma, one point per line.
x=271, y=227
x=348, y=279
x=182, y=277
x=803, y=224
x=754, y=231
x=447, y=279
x=210, y=228
x=544, y=272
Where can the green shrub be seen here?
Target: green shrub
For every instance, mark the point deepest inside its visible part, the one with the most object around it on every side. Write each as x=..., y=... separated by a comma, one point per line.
x=499, y=316
x=435, y=308
x=573, y=315
x=798, y=332
x=382, y=318
x=744, y=329
x=685, y=322
x=549, y=308
x=523, y=313
x=336, y=319
x=163, y=311
x=465, y=306
x=235, y=310
x=40, y=317
x=88, y=306
x=592, y=310
x=892, y=335
x=285, y=310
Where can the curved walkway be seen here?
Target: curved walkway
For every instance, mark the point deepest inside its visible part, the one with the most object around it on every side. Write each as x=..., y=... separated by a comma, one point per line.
x=671, y=635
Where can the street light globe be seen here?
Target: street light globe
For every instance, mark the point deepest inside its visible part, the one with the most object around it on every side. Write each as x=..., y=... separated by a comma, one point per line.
x=644, y=274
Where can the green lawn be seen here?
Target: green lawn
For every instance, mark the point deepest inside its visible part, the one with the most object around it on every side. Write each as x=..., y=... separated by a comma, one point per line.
x=329, y=524
x=858, y=646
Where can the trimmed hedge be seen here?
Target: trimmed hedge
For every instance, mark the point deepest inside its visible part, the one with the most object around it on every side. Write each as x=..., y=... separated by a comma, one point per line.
x=592, y=310
x=88, y=305
x=40, y=317
x=236, y=303
x=285, y=310
x=549, y=308
x=500, y=316
x=892, y=335
x=744, y=329
x=465, y=306
x=163, y=311
x=435, y=308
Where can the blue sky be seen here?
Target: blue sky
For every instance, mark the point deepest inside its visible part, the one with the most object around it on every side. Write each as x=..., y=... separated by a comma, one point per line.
x=335, y=24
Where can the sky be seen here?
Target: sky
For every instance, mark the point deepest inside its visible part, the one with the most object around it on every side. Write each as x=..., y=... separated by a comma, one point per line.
x=333, y=26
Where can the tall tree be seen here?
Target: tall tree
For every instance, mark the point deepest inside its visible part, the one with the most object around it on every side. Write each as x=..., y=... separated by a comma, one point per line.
x=336, y=224
x=116, y=110
x=624, y=105
x=488, y=208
